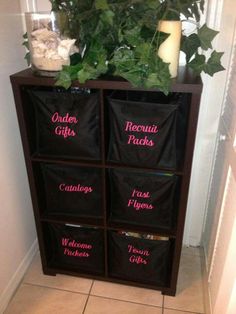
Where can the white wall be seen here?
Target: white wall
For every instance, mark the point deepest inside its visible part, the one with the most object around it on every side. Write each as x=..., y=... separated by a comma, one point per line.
x=43, y=5
x=220, y=226
x=211, y=104
x=17, y=229
x=35, y=5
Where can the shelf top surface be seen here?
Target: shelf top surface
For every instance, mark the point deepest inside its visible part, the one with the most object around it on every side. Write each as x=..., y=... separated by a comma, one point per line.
x=186, y=81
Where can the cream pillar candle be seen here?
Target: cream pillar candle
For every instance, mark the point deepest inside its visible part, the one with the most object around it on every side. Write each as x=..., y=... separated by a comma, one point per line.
x=169, y=49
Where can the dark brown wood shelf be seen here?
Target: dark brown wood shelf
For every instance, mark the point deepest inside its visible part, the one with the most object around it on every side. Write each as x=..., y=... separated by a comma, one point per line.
x=66, y=219
x=83, y=163
x=186, y=82
x=121, y=226
x=106, y=208
x=100, y=164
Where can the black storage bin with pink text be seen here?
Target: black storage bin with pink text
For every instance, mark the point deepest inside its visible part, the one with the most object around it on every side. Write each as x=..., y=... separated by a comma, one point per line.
x=72, y=190
x=144, y=198
x=67, y=124
x=77, y=248
x=148, y=131
x=140, y=260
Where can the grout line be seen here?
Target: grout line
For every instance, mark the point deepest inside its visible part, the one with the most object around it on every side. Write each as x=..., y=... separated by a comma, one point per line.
x=85, y=305
x=91, y=287
x=181, y=311
x=126, y=301
x=53, y=288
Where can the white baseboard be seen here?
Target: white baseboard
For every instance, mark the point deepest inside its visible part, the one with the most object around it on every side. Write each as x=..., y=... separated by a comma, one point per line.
x=17, y=277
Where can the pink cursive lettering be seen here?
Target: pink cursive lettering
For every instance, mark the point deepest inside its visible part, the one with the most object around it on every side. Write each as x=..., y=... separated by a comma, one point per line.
x=72, y=243
x=131, y=127
x=64, y=131
x=137, y=260
x=140, y=141
x=140, y=194
x=134, y=250
x=137, y=205
x=63, y=119
x=75, y=253
x=75, y=188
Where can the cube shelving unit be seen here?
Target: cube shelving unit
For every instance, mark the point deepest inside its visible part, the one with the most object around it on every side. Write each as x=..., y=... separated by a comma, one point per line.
x=109, y=168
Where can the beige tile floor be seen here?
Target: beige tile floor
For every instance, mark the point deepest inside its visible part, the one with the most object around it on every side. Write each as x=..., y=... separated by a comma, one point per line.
x=40, y=294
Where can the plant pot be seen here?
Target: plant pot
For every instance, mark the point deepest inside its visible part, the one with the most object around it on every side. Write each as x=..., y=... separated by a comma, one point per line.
x=170, y=48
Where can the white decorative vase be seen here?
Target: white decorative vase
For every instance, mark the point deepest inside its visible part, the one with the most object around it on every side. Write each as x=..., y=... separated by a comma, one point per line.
x=170, y=48
x=49, y=43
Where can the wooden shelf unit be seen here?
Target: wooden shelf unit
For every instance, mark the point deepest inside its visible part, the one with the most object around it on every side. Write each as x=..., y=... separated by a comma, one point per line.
x=102, y=225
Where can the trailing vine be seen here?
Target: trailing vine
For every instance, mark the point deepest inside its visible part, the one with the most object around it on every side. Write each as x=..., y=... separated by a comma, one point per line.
x=120, y=38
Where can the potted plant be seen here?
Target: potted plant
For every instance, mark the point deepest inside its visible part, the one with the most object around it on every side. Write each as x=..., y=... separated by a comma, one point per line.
x=124, y=38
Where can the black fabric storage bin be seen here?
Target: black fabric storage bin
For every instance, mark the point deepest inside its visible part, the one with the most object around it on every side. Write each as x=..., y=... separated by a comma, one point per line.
x=142, y=198
x=72, y=190
x=147, y=129
x=141, y=260
x=67, y=124
x=76, y=248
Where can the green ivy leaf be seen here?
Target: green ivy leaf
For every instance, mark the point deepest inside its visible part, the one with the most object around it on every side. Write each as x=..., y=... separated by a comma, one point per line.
x=73, y=70
x=173, y=15
x=120, y=35
x=213, y=64
x=134, y=75
x=133, y=36
x=63, y=79
x=102, y=65
x=153, y=4
x=94, y=51
x=161, y=78
x=198, y=63
x=86, y=73
x=190, y=45
x=206, y=35
x=154, y=81
x=25, y=36
x=27, y=58
x=107, y=16
x=142, y=51
x=126, y=66
x=68, y=74
x=26, y=44
x=101, y=4
x=75, y=58
x=123, y=59
x=92, y=71
x=146, y=33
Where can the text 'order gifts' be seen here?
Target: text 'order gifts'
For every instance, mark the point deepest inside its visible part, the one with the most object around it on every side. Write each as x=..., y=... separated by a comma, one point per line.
x=64, y=124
